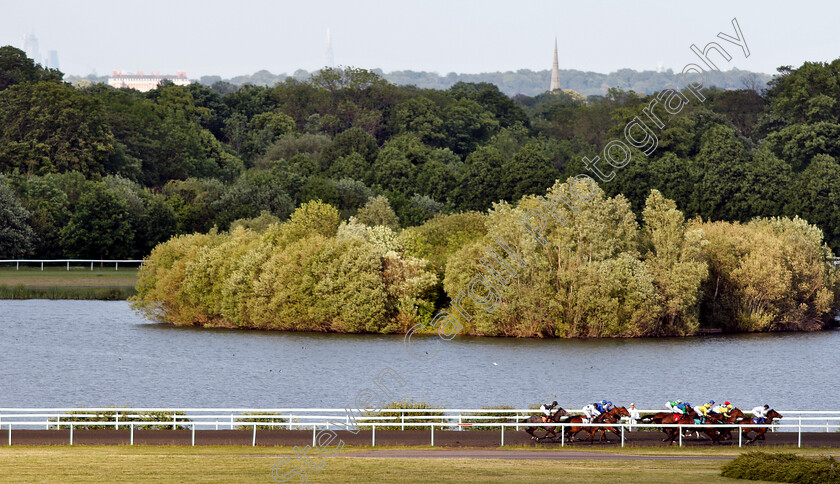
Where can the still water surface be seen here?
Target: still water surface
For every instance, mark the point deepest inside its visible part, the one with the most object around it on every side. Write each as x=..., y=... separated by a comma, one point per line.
x=97, y=353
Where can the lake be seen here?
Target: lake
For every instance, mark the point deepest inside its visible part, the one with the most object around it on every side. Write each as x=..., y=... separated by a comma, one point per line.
x=99, y=353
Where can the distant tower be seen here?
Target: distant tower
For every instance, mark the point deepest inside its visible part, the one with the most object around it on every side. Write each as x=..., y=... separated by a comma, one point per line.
x=30, y=46
x=555, y=70
x=52, y=60
x=328, y=56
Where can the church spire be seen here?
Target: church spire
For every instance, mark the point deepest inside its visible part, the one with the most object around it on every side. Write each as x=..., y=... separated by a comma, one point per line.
x=555, y=70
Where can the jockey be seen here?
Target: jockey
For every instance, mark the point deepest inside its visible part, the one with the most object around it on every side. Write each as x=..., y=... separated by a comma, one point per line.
x=704, y=409
x=723, y=409
x=760, y=413
x=546, y=408
x=592, y=411
x=675, y=407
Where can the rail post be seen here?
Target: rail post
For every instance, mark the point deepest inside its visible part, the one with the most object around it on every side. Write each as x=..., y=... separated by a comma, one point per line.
x=42, y=265
x=679, y=429
x=459, y=422
x=254, y=437
x=503, y=434
x=402, y=420
x=517, y=420
x=68, y=265
x=313, y=434
x=433, y=435
x=622, y=435
x=373, y=434
x=740, y=436
x=10, y=435
x=799, y=432
x=131, y=434
x=117, y=421
x=192, y=437
x=562, y=435
x=18, y=266
x=71, y=434
x=91, y=265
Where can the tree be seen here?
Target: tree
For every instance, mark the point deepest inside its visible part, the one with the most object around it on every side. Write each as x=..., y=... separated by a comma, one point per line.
x=480, y=180
x=99, y=226
x=378, y=211
x=719, y=175
x=815, y=196
x=420, y=116
x=527, y=172
x=353, y=140
x=16, y=68
x=467, y=125
x=17, y=239
x=48, y=127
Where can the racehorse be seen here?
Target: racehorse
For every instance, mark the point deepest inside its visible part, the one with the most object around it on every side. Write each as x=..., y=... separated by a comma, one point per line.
x=672, y=432
x=735, y=416
x=553, y=418
x=611, y=416
x=714, y=433
x=760, y=431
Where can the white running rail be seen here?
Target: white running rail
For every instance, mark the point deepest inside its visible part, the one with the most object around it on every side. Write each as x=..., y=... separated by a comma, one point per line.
x=341, y=419
x=116, y=262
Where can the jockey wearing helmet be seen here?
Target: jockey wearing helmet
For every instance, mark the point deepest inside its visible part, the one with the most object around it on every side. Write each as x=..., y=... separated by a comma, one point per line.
x=593, y=410
x=547, y=408
x=676, y=407
x=760, y=413
x=723, y=409
x=704, y=409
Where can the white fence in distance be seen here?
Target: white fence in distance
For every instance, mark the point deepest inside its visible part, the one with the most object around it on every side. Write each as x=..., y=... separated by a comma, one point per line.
x=101, y=262
x=342, y=419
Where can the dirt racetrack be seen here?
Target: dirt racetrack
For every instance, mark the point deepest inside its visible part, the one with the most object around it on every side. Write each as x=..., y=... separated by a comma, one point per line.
x=479, y=438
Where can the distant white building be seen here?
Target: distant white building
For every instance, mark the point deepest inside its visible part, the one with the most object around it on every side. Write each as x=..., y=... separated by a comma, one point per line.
x=145, y=82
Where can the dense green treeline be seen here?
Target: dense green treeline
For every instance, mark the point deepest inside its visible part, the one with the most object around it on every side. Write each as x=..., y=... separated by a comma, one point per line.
x=286, y=202
x=604, y=273
x=178, y=160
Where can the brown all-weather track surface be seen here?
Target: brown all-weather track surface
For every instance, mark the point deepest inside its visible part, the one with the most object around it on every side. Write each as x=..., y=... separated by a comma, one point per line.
x=480, y=438
x=517, y=455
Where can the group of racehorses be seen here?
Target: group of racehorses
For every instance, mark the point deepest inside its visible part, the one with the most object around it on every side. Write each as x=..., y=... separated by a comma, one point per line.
x=716, y=434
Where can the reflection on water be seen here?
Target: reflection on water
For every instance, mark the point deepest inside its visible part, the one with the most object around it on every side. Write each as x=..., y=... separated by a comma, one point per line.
x=93, y=353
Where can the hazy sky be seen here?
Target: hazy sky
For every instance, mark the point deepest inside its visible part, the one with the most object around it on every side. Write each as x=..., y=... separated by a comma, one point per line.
x=240, y=37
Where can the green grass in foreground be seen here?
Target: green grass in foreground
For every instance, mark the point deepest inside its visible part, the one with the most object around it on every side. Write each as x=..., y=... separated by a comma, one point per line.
x=102, y=293
x=177, y=464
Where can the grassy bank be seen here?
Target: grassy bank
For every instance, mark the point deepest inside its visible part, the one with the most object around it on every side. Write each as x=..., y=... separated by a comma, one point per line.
x=57, y=282
x=245, y=464
x=101, y=293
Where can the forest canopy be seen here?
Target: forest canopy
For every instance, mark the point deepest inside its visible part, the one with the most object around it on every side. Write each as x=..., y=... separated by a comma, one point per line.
x=404, y=184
